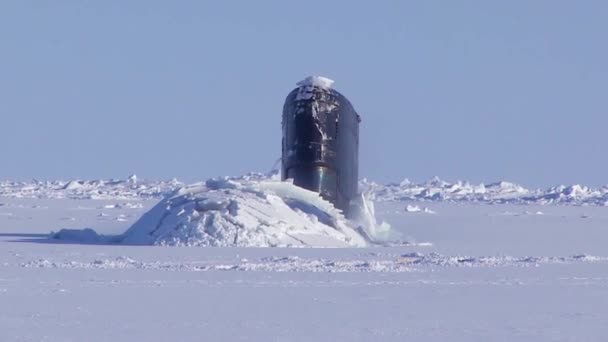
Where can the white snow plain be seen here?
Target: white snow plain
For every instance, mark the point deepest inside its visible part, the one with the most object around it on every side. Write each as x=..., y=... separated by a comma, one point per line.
x=497, y=262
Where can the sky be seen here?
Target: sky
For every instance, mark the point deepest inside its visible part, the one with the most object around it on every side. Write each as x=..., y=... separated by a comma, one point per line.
x=468, y=90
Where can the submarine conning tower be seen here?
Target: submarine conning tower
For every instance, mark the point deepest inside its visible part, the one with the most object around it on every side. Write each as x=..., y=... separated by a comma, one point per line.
x=320, y=147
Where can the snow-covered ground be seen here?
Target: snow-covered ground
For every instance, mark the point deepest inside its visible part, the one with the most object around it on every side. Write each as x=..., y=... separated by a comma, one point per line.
x=487, y=262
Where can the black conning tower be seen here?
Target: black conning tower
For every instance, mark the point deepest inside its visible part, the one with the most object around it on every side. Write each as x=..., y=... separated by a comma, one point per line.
x=320, y=148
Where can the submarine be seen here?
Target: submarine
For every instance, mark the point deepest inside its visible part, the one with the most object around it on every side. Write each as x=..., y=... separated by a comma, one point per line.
x=320, y=142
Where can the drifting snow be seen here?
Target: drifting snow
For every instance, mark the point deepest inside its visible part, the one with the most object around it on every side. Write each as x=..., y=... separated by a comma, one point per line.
x=247, y=213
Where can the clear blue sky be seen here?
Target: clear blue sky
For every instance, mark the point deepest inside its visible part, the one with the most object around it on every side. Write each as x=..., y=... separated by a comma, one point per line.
x=471, y=90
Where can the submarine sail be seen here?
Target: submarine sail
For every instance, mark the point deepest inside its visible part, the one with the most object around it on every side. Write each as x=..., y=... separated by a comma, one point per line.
x=320, y=146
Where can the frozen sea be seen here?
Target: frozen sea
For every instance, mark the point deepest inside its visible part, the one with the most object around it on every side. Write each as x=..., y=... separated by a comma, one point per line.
x=469, y=272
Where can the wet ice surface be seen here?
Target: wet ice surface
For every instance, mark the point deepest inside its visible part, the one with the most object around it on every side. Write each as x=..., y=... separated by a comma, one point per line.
x=469, y=272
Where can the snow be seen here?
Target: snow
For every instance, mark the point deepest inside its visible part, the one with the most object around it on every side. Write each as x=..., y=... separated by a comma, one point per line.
x=412, y=208
x=478, y=269
x=311, y=84
x=130, y=188
x=237, y=212
x=437, y=190
x=433, y=190
x=416, y=209
x=316, y=81
x=244, y=212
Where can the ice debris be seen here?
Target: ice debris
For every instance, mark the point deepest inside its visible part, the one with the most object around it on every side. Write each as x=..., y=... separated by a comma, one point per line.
x=248, y=212
x=112, y=189
x=386, y=262
x=240, y=212
x=435, y=190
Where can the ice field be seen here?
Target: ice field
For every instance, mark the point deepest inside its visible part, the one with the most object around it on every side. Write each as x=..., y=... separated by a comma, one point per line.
x=485, y=265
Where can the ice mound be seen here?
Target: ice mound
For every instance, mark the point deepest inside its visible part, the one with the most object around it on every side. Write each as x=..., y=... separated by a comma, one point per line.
x=252, y=213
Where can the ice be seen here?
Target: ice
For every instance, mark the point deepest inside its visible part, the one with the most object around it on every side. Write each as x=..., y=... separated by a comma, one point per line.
x=394, y=263
x=363, y=214
x=132, y=179
x=416, y=209
x=248, y=211
x=130, y=188
x=73, y=185
x=437, y=190
x=434, y=190
x=412, y=208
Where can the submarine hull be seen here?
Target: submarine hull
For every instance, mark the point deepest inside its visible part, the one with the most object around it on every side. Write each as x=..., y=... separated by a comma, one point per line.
x=320, y=147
